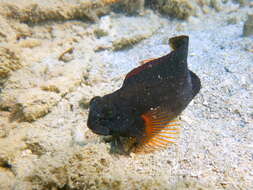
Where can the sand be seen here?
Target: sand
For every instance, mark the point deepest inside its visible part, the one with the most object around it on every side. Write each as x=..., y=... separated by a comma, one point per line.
x=55, y=56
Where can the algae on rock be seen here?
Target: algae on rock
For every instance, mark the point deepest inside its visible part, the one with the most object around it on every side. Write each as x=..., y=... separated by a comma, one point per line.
x=10, y=60
x=128, y=41
x=179, y=8
x=130, y=6
x=36, y=11
x=121, y=37
x=28, y=105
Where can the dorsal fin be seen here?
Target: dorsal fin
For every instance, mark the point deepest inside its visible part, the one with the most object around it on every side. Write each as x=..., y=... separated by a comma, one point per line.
x=148, y=63
x=147, y=60
x=179, y=45
x=178, y=42
x=161, y=129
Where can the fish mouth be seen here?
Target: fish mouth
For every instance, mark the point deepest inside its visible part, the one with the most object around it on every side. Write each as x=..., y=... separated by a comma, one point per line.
x=94, y=120
x=100, y=130
x=95, y=126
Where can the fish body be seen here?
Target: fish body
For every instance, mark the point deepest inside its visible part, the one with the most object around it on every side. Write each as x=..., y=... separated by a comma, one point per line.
x=152, y=95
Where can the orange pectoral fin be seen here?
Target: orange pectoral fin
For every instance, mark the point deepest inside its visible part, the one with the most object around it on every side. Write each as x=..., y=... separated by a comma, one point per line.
x=161, y=129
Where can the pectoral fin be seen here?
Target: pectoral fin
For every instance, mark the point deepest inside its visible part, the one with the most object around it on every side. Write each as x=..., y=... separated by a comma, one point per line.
x=161, y=129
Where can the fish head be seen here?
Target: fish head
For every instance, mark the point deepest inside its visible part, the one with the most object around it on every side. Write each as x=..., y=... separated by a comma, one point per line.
x=106, y=118
x=101, y=112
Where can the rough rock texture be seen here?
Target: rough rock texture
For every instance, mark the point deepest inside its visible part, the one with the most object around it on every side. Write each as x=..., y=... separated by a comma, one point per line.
x=183, y=9
x=248, y=26
x=6, y=178
x=113, y=35
x=36, y=11
x=130, y=6
x=10, y=60
x=137, y=30
x=179, y=8
x=28, y=104
x=55, y=62
x=243, y=2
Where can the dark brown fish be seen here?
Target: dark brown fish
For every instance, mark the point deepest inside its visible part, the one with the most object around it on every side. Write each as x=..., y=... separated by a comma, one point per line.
x=150, y=99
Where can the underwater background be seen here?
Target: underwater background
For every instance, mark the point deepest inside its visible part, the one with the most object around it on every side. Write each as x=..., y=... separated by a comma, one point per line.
x=55, y=55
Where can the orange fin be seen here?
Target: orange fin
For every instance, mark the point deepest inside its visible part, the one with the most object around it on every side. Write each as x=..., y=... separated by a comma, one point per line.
x=109, y=1
x=161, y=130
x=147, y=60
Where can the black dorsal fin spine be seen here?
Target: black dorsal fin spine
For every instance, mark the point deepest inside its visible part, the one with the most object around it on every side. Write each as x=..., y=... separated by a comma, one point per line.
x=179, y=42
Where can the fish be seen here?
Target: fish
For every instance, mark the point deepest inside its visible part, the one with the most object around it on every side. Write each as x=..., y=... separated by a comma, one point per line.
x=146, y=107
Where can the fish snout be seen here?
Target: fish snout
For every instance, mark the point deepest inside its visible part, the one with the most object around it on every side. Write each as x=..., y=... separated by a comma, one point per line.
x=96, y=122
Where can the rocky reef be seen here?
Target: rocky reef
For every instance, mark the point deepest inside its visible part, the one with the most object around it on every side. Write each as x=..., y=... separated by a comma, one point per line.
x=56, y=55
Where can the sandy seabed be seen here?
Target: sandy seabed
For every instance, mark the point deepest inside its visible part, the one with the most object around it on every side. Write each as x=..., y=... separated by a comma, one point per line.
x=56, y=55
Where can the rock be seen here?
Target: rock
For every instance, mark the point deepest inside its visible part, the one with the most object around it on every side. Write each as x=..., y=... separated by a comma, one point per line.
x=90, y=160
x=121, y=37
x=12, y=30
x=60, y=85
x=99, y=32
x=22, y=31
x=128, y=41
x=35, y=103
x=38, y=11
x=248, y=26
x=7, y=179
x=67, y=55
x=3, y=132
x=60, y=78
x=5, y=127
x=206, y=9
x=130, y=6
x=85, y=102
x=79, y=135
x=216, y=4
x=58, y=151
x=189, y=184
x=10, y=60
x=8, y=150
x=64, y=78
x=183, y=9
x=29, y=43
x=32, y=92
x=243, y=2
x=28, y=105
x=7, y=33
x=26, y=77
x=179, y=8
x=232, y=20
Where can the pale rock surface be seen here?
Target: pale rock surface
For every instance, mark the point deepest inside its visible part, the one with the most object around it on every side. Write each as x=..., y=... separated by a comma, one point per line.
x=44, y=140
